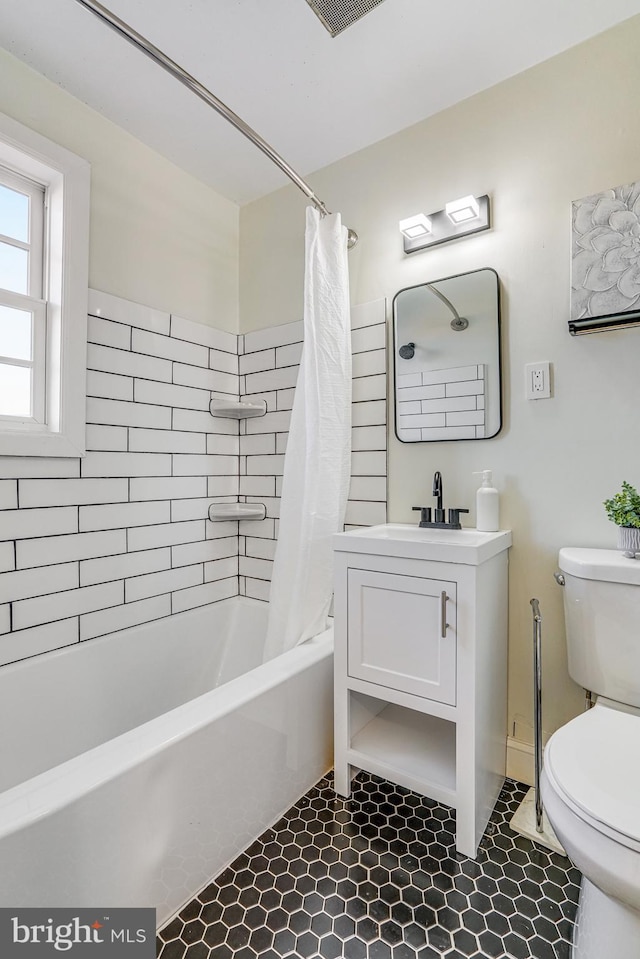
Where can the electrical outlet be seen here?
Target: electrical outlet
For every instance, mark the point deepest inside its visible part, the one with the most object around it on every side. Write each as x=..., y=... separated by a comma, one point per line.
x=538, y=381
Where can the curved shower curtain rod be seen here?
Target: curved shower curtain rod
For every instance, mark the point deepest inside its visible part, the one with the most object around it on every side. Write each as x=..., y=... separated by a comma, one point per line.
x=209, y=98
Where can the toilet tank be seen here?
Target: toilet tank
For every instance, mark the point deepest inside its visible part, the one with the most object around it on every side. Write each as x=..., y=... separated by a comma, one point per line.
x=602, y=618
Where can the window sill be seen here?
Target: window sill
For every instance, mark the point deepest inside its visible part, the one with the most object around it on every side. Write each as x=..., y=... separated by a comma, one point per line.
x=23, y=443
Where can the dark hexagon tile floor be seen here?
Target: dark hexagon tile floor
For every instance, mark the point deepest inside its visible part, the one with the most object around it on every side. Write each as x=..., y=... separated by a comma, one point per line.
x=377, y=876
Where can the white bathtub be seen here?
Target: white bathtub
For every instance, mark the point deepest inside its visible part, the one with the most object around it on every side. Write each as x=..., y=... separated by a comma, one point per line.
x=136, y=766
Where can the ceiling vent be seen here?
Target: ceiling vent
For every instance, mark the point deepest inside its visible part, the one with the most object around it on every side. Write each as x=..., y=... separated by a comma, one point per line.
x=337, y=15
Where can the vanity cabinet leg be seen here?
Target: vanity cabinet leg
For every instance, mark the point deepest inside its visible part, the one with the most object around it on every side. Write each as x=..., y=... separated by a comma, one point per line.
x=342, y=769
x=342, y=779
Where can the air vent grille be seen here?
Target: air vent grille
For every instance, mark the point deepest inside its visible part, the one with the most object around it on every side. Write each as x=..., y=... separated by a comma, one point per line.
x=337, y=15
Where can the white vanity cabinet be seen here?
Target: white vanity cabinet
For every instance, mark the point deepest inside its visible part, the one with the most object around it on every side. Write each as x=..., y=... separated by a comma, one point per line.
x=421, y=665
x=418, y=615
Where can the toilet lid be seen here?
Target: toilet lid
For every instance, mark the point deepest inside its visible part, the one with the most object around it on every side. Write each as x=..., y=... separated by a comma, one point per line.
x=595, y=760
x=604, y=565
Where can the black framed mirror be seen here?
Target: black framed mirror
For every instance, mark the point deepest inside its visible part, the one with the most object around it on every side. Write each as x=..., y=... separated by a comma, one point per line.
x=447, y=359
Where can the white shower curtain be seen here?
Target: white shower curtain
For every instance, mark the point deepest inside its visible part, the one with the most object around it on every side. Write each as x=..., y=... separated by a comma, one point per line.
x=317, y=461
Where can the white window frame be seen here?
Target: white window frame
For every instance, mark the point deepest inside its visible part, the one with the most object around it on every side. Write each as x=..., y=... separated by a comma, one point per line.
x=65, y=179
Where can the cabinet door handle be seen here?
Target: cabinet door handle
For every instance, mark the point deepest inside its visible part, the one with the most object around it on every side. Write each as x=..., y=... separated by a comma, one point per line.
x=443, y=614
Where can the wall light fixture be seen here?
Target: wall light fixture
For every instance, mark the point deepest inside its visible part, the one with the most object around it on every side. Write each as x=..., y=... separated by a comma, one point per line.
x=462, y=210
x=462, y=217
x=415, y=226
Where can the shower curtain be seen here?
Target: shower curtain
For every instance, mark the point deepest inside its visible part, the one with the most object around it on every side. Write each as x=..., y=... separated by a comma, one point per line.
x=318, y=456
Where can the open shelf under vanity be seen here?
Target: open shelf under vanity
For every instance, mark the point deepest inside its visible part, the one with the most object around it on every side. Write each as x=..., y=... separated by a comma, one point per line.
x=411, y=748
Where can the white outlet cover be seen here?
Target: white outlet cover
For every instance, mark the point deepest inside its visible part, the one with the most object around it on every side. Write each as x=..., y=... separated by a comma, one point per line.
x=538, y=380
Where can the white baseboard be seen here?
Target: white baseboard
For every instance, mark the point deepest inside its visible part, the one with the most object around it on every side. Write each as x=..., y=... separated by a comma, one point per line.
x=520, y=761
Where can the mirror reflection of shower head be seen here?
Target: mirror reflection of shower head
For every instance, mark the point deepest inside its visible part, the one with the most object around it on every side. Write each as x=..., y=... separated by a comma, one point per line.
x=407, y=351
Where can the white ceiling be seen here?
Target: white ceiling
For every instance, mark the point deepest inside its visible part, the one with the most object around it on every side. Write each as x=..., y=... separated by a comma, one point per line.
x=313, y=97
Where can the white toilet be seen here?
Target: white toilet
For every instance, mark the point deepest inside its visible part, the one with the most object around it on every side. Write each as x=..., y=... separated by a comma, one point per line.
x=591, y=778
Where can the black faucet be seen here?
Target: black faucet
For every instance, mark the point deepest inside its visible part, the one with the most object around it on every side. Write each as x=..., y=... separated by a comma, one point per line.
x=453, y=520
x=437, y=491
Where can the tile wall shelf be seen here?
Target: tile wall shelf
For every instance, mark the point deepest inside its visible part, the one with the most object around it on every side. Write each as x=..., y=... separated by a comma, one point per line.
x=235, y=409
x=219, y=512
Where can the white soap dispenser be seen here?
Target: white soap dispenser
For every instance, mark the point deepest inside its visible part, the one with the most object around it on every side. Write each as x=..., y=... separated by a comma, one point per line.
x=487, y=504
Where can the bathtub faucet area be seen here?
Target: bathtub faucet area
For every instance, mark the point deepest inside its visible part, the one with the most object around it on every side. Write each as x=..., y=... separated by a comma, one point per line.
x=439, y=522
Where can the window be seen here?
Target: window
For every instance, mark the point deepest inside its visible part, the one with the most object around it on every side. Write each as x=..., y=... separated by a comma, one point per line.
x=44, y=204
x=22, y=308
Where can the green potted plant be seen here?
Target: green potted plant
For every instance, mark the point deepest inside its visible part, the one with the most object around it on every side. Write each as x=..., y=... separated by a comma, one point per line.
x=623, y=509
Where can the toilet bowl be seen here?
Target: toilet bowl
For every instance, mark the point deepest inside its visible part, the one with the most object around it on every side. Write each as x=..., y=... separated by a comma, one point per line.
x=590, y=782
x=591, y=792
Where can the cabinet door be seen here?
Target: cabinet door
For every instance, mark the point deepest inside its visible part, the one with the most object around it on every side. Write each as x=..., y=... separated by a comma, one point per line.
x=402, y=633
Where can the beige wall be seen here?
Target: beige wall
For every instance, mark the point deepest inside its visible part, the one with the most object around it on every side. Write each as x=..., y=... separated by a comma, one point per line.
x=560, y=131
x=158, y=236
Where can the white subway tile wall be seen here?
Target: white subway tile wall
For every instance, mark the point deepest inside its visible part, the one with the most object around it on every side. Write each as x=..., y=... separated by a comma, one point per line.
x=269, y=362
x=442, y=404
x=120, y=536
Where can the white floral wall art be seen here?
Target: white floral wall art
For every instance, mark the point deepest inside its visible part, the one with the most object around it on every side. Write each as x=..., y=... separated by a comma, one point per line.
x=605, y=257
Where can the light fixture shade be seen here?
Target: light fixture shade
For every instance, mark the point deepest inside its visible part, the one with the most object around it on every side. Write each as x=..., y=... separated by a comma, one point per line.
x=415, y=226
x=462, y=210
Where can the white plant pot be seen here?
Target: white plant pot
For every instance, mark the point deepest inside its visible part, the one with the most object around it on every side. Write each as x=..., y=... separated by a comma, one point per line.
x=629, y=539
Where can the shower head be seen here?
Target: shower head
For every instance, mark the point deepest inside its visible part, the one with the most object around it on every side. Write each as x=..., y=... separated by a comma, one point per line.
x=337, y=15
x=407, y=351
